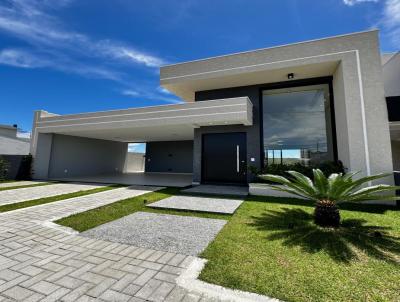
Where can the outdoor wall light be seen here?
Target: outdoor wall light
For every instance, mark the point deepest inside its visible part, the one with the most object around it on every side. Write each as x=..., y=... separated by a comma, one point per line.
x=290, y=76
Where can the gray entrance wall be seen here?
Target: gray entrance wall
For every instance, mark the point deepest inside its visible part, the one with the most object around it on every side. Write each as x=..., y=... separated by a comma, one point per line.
x=41, y=159
x=79, y=156
x=172, y=157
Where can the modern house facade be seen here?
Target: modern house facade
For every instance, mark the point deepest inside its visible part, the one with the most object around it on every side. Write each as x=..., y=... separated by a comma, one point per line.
x=308, y=102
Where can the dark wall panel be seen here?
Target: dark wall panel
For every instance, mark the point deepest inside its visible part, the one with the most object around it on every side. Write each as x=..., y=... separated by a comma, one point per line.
x=173, y=157
x=393, y=106
x=79, y=156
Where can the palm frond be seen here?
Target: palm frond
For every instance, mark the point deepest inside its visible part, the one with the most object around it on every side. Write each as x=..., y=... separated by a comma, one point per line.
x=321, y=183
x=336, y=188
x=303, y=182
x=300, y=188
x=288, y=190
x=371, y=192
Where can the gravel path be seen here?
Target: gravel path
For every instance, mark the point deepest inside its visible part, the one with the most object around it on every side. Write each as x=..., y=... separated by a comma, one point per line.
x=171, y=233
x=199, y=203
x=218, y=190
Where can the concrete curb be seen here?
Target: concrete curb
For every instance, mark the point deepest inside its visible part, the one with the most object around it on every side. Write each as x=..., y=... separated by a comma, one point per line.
x=61, y=228
x=188, y=281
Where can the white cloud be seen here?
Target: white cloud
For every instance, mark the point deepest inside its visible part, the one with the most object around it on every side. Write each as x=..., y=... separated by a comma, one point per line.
x=134, y=56
x=50, y=44
x=130, y=92
x=353, y=2
x=31, y=22
x=158, y=95
x=163, y=90
x=20, y=58
x=391, y=13
x=33, y=59
x=137, y=147
x=24, y=134
x=388, y=19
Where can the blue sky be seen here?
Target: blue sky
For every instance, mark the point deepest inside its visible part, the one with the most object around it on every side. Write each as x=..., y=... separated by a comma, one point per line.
x=68, y=56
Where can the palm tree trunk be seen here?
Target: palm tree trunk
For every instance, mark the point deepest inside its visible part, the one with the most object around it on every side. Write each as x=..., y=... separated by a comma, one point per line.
x=326, y=214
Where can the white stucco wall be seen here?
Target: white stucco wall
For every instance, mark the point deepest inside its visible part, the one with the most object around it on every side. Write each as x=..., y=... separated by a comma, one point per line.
x=134, y=162
x=391, y=74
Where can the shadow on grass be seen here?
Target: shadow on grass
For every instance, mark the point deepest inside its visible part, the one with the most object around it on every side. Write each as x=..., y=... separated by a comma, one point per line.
x=296, y=228
x=359, y=207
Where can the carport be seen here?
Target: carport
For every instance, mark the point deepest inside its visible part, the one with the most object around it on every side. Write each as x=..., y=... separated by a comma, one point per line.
x=93, y=146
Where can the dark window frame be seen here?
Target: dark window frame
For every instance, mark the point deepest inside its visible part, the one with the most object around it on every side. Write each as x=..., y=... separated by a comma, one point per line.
x=298, y=83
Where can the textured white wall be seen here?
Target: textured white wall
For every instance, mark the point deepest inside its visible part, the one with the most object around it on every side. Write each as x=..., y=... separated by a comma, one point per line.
x=391, y=75
x=134, y=162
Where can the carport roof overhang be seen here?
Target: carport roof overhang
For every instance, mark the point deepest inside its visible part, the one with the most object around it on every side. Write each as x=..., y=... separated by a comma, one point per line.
x=157, y=123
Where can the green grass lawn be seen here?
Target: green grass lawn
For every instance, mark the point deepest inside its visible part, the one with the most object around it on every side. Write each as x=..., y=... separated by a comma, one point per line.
x=95, y=217
x=271, y=246
x=7, y=180
x=36, y=202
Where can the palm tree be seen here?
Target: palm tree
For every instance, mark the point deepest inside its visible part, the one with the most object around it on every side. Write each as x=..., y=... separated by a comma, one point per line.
x=327, y=192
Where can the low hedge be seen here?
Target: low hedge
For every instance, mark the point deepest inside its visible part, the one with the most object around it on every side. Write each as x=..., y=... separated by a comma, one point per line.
x=327, y=167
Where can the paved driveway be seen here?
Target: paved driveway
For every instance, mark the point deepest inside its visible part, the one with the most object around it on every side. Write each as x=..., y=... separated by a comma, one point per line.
x=19, y=183
x=37, y=262
x=24, y=194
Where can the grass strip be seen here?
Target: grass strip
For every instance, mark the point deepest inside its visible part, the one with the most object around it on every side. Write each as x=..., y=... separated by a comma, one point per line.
x=25, y=186
x=36, y=202
x=8, y=180
x=95, y=217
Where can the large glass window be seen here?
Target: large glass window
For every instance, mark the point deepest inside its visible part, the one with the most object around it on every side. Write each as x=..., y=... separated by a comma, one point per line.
x=297, y=125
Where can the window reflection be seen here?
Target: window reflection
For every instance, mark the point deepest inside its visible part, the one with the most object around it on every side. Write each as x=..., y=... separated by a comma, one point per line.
x=297, y=125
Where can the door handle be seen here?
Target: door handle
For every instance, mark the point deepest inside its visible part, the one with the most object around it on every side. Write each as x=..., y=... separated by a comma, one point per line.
x=237, y=158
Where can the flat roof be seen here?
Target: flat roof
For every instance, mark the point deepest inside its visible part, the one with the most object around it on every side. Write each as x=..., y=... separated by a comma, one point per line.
x=8, y=127
x=272, y=47
x=306, y=59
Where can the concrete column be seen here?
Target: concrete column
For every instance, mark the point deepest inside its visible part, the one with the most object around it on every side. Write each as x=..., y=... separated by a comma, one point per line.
x=41, y=159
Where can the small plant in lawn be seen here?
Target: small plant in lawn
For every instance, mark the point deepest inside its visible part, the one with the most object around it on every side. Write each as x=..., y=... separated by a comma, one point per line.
x=4, y=166
x=327, y=192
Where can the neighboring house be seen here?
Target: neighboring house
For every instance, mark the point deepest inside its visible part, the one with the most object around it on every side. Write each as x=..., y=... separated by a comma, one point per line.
x=14, y=149
x=310, y=101
x=10, y=143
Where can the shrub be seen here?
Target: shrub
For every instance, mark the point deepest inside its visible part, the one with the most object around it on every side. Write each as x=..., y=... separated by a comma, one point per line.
x=25, y=169
x=327, y=168
x=327, y=192
x=4, y=166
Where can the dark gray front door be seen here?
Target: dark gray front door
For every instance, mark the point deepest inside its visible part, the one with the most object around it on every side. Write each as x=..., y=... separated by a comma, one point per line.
x=224, y=158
